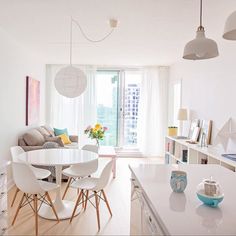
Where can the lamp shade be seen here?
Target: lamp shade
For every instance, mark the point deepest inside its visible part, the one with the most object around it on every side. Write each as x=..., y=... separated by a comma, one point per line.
x=201, y=47
x=70, y=82
x=182, y=114
x=230, y=27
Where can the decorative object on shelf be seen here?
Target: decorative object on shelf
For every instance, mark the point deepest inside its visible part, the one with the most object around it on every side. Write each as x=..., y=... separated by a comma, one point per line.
x=230, y=156
x=182, y=116
x=178, y=181
x=172, y=131
x=230, y=27
x=201, y=47
x=194, y=123
x=195, y=134
x=70, y=81
x=97, y=132
x=205, y=132
x=225, y=134
x=209, y=192
x=32, y=101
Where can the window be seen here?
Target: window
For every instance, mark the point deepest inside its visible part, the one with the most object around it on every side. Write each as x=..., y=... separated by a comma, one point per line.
x=118, y=94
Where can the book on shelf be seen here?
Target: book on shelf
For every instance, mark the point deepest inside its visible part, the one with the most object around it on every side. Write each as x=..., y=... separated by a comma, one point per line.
x=185, y=155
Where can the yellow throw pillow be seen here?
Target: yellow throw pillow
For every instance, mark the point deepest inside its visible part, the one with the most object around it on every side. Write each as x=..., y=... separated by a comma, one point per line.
x=64, y=138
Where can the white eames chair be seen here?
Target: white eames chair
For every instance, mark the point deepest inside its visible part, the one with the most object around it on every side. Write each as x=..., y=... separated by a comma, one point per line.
x=39, y=173
x=95, y=185
x=81, y=170
x=34, y=190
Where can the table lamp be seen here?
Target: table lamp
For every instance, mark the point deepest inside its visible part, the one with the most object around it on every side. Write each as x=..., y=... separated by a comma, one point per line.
x=182, y=116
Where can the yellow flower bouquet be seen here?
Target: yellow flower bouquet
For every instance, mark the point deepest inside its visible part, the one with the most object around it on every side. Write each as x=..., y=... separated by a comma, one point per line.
x=97, y=132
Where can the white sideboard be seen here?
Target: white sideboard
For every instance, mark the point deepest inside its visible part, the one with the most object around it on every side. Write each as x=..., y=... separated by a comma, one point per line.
x=3, y=198
x=178, y=151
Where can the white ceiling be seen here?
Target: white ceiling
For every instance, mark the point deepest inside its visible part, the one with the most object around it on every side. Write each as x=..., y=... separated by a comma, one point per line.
x=150, y=32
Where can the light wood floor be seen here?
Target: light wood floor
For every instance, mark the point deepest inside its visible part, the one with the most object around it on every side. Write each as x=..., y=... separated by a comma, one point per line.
x=118, y=194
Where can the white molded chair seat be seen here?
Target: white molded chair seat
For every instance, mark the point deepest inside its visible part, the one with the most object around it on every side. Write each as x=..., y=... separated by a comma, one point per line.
x=96, y=185
x=34, y=190
x=39, y=173
x=80, y=170
x=86, y=183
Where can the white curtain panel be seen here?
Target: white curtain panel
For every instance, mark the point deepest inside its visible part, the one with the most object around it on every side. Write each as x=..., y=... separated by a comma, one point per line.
x=75, y=114
x=153, y=110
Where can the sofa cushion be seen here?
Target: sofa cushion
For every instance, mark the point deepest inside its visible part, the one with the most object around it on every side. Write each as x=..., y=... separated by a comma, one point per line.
x=34, y=138
x=65, y=139
x=54, y=139
x=49, y=129
x=48, y=145
x=43, y=131
x=60, y=131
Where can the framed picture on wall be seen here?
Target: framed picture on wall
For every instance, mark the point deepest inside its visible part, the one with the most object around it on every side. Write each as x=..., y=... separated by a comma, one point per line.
x=206, y=128
x=32, y=101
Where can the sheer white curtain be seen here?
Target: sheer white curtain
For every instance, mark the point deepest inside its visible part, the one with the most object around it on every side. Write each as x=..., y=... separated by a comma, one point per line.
x=75, y=114
x=153, y=111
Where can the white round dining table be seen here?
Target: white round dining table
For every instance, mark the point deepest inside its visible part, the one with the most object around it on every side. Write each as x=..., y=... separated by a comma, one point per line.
x=57, y=158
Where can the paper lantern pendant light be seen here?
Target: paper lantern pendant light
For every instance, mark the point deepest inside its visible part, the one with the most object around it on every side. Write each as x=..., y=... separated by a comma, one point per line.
x=70, y=82
x=201, y=47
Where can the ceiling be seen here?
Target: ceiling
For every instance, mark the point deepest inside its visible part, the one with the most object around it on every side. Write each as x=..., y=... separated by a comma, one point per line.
x=150, y=32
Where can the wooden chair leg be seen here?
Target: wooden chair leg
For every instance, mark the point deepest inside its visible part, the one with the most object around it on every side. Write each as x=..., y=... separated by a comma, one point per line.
x=67, y=187
x=36, y=213
x=76, y=205
x=86, y=200
x=83, y=202
x=18, y=209
x=14, y=198
x=105, y=198
x=97, y=209
x=53, y=208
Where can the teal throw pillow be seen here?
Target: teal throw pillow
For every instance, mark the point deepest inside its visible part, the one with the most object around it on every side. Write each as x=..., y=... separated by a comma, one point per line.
x=60, y=131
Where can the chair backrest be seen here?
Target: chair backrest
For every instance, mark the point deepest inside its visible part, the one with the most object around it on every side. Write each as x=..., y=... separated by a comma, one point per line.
x=15, y=152
x=104, y=177
x=86, y=168
x=90, y=147
x=25, y=178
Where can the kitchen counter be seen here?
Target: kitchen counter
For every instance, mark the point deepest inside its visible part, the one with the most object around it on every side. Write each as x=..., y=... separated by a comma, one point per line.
x=184, y=213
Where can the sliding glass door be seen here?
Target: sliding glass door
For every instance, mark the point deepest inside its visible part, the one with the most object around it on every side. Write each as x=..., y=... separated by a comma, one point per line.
x=118, y=95
x=107, y=92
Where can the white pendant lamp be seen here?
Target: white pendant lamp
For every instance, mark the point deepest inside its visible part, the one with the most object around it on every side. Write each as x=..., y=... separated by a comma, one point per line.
x=70, y=81
x=230, y=27
x=201, y=47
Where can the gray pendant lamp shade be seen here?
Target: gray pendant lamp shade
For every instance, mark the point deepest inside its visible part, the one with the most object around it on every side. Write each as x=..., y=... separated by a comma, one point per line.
x=230, y=27
x=201, y=47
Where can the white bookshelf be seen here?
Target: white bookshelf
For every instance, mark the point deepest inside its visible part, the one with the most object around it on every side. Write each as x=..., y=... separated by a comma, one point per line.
x=195, y=154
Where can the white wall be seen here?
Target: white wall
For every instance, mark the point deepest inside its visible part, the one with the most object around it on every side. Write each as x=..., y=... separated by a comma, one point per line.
x=15, y=64
x=209, y=86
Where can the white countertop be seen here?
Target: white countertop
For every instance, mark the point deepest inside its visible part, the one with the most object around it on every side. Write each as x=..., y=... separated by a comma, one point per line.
x=184, y=213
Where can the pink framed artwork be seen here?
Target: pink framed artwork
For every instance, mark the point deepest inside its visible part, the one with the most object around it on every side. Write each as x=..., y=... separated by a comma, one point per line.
x=32, y=100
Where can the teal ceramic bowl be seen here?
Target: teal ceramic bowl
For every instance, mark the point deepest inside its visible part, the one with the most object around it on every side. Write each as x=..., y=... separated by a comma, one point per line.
x=210, y=201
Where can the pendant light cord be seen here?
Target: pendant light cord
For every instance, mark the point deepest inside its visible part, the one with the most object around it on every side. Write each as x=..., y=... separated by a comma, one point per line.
x=89, y=39
x=71, y=21
x=201, y=14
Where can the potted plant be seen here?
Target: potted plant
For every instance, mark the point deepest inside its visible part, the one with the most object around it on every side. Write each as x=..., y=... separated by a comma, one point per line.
x=97, y=132
x=172, y=130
